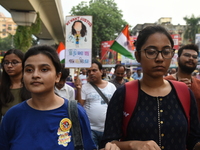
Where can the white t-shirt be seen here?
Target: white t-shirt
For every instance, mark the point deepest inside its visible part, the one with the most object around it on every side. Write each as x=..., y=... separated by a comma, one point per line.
x=95, y=106
x=83, y=78
x=67, y=92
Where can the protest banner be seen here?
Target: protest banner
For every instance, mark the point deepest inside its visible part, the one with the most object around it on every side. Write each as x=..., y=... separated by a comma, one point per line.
x=78, y=41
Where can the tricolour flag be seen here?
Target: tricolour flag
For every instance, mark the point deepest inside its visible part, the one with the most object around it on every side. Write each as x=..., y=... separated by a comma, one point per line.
x=121, y=44
x=61, y=52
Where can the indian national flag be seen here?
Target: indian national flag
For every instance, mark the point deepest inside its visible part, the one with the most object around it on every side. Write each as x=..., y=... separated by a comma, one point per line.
x=121, y=44
x=61, y=52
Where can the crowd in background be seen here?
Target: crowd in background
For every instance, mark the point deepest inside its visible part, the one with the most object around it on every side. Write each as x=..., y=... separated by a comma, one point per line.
x=35, y=90
x=131, y=73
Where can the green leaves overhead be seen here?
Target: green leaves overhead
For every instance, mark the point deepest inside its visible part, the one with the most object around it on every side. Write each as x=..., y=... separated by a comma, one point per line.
x=23, y=37
x=107, y=20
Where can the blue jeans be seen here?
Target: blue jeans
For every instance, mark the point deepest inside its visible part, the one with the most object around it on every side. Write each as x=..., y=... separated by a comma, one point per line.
x=96, y=136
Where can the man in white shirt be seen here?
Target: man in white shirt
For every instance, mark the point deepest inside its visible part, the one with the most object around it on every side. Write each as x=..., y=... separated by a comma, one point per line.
x=93, y=103
x=62, y=89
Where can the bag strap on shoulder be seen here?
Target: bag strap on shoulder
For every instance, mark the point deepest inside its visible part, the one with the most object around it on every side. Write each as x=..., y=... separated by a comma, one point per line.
x=131, y=98
x=100, y=93
x=76, y=130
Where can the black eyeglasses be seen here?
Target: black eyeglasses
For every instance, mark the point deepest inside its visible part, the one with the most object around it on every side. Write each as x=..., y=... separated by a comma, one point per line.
x=152, y=53
x=13, y=63
x=190, y=55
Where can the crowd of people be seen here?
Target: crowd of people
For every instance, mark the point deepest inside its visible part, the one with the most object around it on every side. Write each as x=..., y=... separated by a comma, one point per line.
x=150, y=107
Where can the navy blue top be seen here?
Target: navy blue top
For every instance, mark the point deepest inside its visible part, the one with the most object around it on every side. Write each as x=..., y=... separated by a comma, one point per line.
x=161, y=119
x=25, y=128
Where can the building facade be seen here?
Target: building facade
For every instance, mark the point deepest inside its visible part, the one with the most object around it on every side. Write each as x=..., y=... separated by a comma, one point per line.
x=7, y=26
x=166, y=22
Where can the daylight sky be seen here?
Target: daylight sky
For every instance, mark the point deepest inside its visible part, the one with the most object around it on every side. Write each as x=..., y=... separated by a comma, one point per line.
x=145, y=11
x=149, y=11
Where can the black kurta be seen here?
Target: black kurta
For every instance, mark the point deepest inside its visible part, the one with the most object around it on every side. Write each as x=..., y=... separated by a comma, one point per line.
x=161, y=119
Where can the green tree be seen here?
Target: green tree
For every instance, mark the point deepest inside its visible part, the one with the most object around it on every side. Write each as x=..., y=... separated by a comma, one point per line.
x=107, y=20
x=23, y=38
x=192, y=28
x=6, y=43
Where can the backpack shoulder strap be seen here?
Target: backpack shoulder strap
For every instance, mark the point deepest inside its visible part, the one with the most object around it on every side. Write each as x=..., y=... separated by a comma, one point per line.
x=183, y=94
x=76, y=130
x=130, y=102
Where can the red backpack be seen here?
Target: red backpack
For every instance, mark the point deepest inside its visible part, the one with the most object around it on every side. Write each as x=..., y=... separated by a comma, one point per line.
x=131, y=99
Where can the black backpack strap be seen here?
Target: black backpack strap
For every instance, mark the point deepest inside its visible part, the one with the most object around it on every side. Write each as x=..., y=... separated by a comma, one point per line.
x=76, y=130
x=100, y=93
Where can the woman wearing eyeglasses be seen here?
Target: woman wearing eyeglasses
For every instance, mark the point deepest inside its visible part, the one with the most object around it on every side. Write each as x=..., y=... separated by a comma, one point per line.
x=12, y=90
x=159, y=120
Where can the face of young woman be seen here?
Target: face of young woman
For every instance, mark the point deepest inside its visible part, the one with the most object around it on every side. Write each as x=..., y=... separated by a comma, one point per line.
x=78, y=26
x=12, y=65
x=40, y=74
x=158, y=66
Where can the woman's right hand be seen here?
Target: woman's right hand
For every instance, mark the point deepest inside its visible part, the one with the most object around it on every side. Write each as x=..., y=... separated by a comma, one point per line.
x=110, y=146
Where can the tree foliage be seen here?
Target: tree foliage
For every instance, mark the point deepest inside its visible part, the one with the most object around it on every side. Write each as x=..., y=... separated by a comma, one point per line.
x=23, y=37
x=107, y=20
x=6, y=43
x=192, y=28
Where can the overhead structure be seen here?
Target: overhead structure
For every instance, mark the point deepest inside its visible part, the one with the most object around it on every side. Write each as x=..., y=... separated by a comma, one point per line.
x=51, y=15
x=23, y=18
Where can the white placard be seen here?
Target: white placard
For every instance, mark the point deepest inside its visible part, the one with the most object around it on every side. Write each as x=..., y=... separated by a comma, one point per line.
x=78, y=41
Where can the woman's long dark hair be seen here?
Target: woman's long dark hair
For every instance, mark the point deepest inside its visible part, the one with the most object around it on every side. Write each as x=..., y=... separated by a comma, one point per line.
x=83, y=30
x=5, y=93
